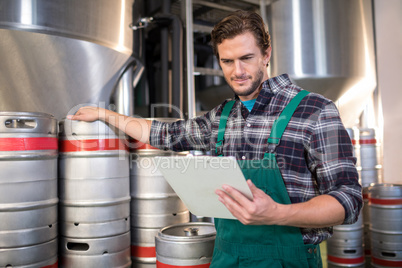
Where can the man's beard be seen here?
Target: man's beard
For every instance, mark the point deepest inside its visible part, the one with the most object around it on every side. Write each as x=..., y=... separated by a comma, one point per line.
x=253, y=87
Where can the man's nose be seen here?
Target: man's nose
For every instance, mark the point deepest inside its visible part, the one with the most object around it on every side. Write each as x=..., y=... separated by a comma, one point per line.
x=238, y=67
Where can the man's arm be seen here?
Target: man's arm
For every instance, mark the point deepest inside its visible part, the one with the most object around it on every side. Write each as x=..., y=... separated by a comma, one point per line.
x=137, y=128
x=321, y=211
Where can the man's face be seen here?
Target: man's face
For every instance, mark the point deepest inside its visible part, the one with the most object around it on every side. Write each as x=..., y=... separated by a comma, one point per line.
x=243, y=65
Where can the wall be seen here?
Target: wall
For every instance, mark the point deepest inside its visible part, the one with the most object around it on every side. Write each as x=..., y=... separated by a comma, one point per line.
x=388, y=30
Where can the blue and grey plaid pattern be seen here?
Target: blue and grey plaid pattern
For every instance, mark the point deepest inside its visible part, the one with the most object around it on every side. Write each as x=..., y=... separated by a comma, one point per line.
x=315, y=154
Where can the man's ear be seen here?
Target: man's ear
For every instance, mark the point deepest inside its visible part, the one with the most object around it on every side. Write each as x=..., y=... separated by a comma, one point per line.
x=267, y=56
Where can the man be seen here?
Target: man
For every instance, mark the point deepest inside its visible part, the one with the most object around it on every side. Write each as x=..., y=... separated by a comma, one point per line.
x=291, y=145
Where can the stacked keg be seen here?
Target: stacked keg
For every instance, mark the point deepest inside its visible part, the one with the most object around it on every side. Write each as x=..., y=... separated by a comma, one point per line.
x=370, y=172
x=369, y=157
x=366, y=223
x=28, y=190
x=354, y=138
x=369, y=144
x=385, y=204
x=94, y=196
x=154, y=204
x=346, y=247
x=185, y=245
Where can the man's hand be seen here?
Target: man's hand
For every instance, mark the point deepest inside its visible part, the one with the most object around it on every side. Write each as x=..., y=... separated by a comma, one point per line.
x=262, y=210
x=320, y=211
x=88, y=114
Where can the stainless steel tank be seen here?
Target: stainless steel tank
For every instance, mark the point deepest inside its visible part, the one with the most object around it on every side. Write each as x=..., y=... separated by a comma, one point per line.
x=94, y=193
x=28, y=189
x=326, y=47
x=57, y=54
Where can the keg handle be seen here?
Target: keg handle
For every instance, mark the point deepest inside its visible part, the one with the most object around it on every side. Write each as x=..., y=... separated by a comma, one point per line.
x=20, y=123
x=191, y=231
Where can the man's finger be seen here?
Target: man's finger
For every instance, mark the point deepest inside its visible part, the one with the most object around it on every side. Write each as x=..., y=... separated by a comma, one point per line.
x=236, y=195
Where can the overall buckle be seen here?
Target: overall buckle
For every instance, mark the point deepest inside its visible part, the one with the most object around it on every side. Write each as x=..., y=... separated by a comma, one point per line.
x=219, y=148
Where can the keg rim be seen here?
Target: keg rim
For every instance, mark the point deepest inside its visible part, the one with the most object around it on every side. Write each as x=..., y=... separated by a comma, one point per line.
x=163, y=235
x=24, y=113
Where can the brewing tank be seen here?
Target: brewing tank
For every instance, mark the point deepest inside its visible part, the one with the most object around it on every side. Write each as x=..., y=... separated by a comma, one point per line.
x=57, y=54
x=326, y=47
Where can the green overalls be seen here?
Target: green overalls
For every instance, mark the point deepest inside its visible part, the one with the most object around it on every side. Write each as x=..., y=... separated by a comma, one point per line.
x=268, y=246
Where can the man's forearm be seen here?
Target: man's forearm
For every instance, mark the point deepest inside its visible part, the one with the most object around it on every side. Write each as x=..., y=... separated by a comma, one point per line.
x=321, y=211
x=137, y=128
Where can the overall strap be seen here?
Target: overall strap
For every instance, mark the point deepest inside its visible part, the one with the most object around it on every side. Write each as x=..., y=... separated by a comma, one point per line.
x=222, y=126
x=282, y=121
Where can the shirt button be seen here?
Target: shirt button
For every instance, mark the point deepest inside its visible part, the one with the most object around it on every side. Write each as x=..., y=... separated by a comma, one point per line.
x=243, y=157
x=248, y=125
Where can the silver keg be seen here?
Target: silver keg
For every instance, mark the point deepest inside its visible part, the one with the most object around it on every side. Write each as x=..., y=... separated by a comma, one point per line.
x=366, y=223
x=109, y=251
x=186, y=244
x=346, y=246
x=385, y=203
x=354, y=138
x=94, y=194
x=154, y=204
x=28, y=189
x=369, y=157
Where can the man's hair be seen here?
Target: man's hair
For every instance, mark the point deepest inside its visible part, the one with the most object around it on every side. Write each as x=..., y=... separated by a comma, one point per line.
x=237, y=23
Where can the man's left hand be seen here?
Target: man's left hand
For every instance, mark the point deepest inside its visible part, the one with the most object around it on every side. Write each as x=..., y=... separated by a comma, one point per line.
x=262, y=210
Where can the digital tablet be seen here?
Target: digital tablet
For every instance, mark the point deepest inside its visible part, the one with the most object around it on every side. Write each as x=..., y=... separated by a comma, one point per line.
x=195, y=179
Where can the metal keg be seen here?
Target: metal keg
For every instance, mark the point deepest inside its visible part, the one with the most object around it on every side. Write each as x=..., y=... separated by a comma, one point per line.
x=93, y=190
x=154, y=204
x=346, y=257
x=369, y=157
x=366, y=223
x=385, y=203
x=354, y=138
x=188, y=244
x=28, y=189
x=111, y=251
x=346, y=246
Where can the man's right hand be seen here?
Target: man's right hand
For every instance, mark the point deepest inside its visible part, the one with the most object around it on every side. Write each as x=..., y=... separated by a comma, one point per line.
x=88, y=114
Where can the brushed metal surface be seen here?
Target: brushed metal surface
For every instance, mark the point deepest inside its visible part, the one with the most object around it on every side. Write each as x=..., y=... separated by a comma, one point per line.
x=104, y=252
x=326, y=47
x=30, y=256
x=173, y=246
x=159, y=220
x=59, y=54
x=320, y=43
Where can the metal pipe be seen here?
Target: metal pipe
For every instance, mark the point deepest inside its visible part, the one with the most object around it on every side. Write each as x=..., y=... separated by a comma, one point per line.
x=165, y=61
x=124, y=99
x=177, y=63
x=190, y=60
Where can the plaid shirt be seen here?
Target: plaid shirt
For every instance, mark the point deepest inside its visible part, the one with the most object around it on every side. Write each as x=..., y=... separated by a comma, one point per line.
x=315, y=154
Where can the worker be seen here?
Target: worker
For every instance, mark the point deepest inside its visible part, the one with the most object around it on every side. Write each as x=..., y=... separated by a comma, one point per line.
x=291, y=145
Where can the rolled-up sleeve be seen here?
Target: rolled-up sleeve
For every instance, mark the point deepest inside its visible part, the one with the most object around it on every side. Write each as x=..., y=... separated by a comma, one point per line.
x=183, y=135
x=332, y=161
